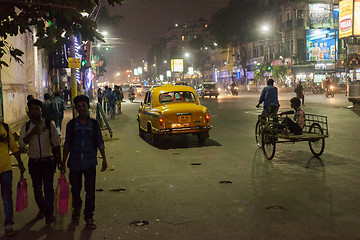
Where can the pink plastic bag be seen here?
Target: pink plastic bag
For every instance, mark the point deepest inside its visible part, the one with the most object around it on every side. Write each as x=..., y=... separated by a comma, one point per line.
x=62, y=195
x=21, y=195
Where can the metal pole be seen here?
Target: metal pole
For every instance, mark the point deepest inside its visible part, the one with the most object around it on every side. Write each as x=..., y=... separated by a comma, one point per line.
x=73, y=75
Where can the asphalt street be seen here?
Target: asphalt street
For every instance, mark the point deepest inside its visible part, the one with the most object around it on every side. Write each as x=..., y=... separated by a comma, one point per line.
x=224, y=189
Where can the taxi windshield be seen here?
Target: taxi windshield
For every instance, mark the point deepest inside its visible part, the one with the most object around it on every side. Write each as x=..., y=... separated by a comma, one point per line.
x=178, y=96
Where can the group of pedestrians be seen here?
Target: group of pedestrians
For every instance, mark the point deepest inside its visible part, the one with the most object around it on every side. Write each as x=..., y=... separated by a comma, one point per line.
x=53, y=109
x=41, y=136
x=110, y=99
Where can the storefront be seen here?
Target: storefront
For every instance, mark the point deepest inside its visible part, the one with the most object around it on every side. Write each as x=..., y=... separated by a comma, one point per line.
x=323, y=71
x=303, y=73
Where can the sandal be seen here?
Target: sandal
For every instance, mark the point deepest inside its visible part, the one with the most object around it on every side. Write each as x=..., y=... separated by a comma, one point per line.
x=9, y=232
x=90, y=224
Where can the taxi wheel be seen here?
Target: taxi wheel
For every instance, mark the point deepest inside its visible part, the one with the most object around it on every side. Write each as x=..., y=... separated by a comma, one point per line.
x=154, y=138
x=141, y=132
x=202, y=137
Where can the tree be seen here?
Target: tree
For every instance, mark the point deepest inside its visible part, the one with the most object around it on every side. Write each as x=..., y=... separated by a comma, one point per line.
x=54, y=20
x=238, y=24
x=279, y=72
x=260, y=71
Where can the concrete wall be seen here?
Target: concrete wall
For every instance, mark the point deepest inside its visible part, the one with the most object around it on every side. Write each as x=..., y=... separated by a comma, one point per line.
x=19, y=80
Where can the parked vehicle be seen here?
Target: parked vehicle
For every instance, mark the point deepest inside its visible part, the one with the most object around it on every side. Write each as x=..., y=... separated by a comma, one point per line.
x=173, y=110
x=317, y=90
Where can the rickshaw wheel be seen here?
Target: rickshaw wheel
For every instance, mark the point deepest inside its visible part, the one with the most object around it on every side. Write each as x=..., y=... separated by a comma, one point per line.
x=268, y=145
x=258, y=128
x=317, y=146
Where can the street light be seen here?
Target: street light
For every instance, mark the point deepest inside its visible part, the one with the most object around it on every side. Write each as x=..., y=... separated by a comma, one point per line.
x=265, y=28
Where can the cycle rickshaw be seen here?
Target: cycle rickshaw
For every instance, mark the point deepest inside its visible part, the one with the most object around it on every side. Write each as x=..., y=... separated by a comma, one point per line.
x=269, y=132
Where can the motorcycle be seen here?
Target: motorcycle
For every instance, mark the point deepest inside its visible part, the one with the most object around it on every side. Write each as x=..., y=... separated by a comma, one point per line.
x=330, y=91
x=131, y=97
x=234, y=91
x=317, y=90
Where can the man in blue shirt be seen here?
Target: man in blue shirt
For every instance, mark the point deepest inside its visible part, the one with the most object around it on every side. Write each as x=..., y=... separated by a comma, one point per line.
x=83, y=138
x=269, y=96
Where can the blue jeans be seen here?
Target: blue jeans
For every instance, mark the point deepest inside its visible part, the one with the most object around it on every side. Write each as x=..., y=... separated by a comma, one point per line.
x=112, y=109
x=6, y=195
x=42, y=173
x=75, y=178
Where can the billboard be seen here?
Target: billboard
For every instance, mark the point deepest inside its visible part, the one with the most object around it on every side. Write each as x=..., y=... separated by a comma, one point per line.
x=356, y=17
x=177, y=65
x=320, y=15
x=320, y=45
x=346, y=8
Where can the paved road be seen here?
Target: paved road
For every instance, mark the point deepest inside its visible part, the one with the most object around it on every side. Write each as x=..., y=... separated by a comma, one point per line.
x=176, y=188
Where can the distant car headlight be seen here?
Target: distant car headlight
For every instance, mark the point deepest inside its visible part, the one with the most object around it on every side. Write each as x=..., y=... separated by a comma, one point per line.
x=332, y=87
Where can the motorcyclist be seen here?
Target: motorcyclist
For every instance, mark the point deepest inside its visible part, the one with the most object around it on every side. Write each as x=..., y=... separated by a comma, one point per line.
x=328, y=83
x=269, y=96
x=131, y=93
x=131, y=90
x=233, y=88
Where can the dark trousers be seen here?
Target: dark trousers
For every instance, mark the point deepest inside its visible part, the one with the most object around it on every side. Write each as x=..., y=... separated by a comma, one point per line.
x=292, y=126
x=6, y=195
x=42, y=174
x=75, y=178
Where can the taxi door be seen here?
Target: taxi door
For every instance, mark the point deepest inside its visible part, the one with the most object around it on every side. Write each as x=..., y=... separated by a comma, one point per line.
x=145, y=111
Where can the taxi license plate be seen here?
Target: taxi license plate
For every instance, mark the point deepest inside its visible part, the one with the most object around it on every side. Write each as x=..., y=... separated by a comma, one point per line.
x=184, y=119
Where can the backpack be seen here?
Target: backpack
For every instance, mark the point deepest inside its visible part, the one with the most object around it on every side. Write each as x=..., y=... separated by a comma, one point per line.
x=47, y=125
x=95, y=128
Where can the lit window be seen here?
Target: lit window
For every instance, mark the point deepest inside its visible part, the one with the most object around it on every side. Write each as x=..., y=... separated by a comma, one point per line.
x=182, y=38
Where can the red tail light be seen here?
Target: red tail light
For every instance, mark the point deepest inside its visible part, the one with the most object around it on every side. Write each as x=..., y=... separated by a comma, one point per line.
x=207, y=116
x=161, y=119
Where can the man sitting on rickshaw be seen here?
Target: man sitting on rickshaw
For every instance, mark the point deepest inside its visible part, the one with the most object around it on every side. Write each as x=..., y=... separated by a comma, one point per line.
x=298, y=124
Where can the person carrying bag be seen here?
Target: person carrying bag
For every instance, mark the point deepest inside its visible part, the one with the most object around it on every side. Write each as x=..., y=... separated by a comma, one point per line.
x=21, y=196
x=62, y=195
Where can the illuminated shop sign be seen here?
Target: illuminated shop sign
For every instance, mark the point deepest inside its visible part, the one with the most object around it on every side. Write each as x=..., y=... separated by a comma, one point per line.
x=177, y=65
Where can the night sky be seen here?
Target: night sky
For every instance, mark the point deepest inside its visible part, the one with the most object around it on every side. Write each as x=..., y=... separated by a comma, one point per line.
x=146, y=21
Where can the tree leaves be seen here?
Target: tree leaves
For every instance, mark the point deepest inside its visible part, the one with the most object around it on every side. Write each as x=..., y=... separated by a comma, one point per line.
x=51, y=18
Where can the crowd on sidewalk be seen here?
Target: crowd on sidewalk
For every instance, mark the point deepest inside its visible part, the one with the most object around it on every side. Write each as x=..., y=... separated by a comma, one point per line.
x=41, y=135
x=110, y=99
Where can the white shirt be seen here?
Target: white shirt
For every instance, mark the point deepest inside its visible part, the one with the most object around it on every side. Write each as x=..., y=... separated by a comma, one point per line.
x=39, y=145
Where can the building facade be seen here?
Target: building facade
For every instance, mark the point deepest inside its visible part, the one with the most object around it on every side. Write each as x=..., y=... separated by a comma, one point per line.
x=22, y=79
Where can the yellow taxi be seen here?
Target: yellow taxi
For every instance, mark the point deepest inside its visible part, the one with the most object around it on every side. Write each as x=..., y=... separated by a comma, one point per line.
x=171, y=110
